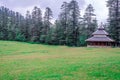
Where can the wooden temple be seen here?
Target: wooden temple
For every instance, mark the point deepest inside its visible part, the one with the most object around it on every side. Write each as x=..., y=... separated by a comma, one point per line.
x=100, y=39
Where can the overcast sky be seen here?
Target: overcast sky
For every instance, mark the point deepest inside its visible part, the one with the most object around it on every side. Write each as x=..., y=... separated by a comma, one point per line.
x=23, y=5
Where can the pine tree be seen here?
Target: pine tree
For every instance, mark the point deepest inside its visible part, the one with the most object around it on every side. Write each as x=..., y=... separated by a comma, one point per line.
x=47, y=23
x=90, y=21
x=19, y=27
x=63, y=20
x=36, y=24
x=1, y=23
x=73, y=21
x=47, y=19
x=4, y=21
x=114, y=19
x=8, y=24
x=27, y=25
x=59, y=33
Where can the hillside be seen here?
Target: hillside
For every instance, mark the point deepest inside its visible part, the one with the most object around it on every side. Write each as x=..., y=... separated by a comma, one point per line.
x=25, y=61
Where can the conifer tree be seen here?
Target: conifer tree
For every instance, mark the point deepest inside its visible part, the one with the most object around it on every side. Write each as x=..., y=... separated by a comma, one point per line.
x=114, y=20
x=73, y=21
x=46, y=24
x=90, y=21
x=36, y=24
x=63, y=20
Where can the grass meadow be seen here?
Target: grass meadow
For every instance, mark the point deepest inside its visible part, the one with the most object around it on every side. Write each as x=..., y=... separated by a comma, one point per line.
x=26, y=61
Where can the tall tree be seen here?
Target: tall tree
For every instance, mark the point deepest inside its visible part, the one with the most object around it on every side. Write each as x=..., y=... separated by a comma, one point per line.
x=36, y=24
x=63, y=20
x=47, y=19
x=11, y=25
x=47, y=23
x=1, y=22
x=4, y=21
x=73, y=21
x=114, y=19
x=90, y=21
x=28, y=24
x=19, y=27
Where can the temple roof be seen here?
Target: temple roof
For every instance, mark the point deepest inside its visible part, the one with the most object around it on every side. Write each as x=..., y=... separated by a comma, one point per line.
x=100, y=39
x=100, y=31
x=100, y=35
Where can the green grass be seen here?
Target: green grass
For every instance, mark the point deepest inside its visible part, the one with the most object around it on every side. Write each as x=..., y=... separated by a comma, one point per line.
x=25, y=61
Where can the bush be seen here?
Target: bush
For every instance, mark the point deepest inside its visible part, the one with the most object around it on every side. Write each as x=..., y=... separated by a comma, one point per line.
x=20, y=37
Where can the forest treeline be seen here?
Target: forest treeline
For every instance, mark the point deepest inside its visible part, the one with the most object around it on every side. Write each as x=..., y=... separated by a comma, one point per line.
x=70, y=28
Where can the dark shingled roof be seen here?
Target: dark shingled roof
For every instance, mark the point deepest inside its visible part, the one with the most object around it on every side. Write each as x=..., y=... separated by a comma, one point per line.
x=100, y=35
x=100, y=39
x=100, y=32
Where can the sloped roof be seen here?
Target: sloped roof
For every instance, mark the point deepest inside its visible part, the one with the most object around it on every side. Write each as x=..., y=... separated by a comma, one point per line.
x=100, y=35
x=100, y=32
x=100, y=39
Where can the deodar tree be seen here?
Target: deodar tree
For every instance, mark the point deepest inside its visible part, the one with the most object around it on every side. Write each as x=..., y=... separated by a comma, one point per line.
x=114, y=20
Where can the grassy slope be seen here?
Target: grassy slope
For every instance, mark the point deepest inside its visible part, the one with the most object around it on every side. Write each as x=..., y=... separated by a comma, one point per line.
x=24, y=61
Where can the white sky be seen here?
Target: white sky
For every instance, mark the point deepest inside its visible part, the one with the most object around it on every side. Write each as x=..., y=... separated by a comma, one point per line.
x=100, y=9
x=23, y=5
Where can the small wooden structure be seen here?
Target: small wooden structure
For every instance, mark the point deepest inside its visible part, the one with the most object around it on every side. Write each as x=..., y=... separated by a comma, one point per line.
x=100, y=39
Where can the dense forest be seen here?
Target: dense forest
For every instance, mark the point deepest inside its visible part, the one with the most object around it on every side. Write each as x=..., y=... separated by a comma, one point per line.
x=114, y=20
x=69, y=29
